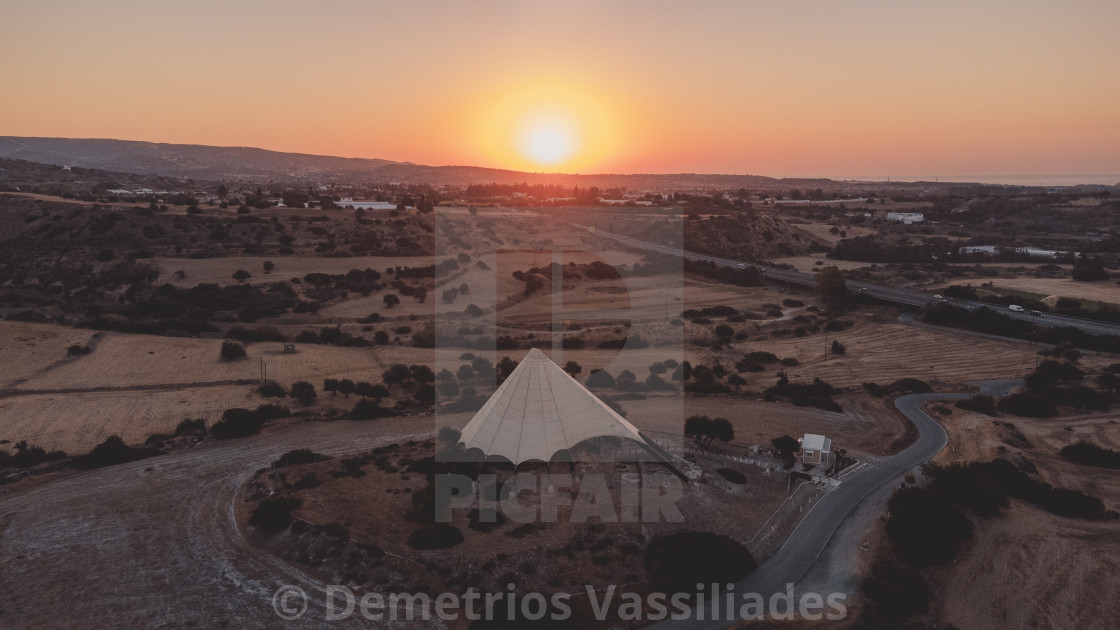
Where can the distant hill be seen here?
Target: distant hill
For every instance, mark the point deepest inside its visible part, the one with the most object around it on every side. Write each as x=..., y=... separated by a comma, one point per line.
x=182, y=160
x=203, y=162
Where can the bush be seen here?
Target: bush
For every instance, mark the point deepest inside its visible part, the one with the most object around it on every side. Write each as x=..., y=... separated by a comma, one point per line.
x=232, y=351
x=436, y=536
x=271, y=389
x=1088, y=454
x=237, y=423
x=979, y=403
x=113, y=451
x=875, y=389
x=298, y=457
x=838, y=348
x=191, y=427
x=732, y=475
x=600, y=378
x=895, y=592
x=369, y=409
x=303, y=392
x=678, y=562
x=925, y=528
x=1028, y=405
x=273, y=515
x=911, y=386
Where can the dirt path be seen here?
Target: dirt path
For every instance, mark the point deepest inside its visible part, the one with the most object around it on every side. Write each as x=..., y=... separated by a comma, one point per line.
x=154, y=543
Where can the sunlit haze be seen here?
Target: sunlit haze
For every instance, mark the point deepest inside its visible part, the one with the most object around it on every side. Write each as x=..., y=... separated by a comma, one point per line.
x=869, y=89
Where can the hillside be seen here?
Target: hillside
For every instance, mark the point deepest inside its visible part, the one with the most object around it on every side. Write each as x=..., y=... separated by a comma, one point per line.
x=181, y=160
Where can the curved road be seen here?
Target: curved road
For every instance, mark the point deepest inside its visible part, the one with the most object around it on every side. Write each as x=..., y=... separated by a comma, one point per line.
x=812, y=535
x=126, y=547
x=155, y=543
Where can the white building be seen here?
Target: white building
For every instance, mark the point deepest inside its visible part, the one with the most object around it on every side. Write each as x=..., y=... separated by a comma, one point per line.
x=815, y=449
x=906, y=217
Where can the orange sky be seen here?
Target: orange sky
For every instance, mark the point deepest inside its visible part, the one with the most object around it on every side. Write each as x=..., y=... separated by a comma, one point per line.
x=830, y=88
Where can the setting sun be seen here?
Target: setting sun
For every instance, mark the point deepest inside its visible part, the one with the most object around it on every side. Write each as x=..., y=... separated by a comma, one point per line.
x=548, y=142
x=557, y=125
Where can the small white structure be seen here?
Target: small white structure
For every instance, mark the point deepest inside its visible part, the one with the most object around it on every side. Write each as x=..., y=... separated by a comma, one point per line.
x=906, y=217
x=815, y=449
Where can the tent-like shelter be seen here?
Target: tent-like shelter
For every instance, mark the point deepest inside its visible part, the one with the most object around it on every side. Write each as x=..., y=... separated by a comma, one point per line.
x=539, y=411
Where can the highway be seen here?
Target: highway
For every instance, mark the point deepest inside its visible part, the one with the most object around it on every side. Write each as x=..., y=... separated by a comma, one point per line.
x=808, y=541
x=889, y=294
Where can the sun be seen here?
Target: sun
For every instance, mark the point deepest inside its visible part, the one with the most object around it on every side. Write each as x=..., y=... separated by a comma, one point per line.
x=547, y=142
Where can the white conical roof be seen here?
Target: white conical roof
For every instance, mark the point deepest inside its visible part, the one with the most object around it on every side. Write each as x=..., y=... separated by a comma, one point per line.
x=538, y=411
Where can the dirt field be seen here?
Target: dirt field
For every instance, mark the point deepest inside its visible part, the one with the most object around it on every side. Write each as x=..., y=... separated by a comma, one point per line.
x=132, y=360
x=1104, y=291
x=884, y=351
x=806, y=264
x=867, y=425
x=1030, y=568
x=76, y=423
x=28, y=349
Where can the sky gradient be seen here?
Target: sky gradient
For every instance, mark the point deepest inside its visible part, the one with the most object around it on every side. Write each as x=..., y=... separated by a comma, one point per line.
x=833, y=88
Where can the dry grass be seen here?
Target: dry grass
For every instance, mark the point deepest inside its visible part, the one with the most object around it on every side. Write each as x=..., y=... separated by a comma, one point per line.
x=134, y=360
x=30, y=349
x=1104, y=291
x=1030, y=568
x=76, y=423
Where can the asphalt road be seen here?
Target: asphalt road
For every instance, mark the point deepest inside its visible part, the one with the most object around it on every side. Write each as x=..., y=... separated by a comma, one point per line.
x=808, y=541
x=889, y=294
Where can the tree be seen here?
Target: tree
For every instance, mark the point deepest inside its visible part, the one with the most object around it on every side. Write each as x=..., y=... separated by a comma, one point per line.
x=241, y=275
x=721, y=429
x=572, y=368
x=269, y=266
x=391, y=300
x=925, y=528
x=506, y=367
x=786, y=447
x=831, y=286
x=1086, y=269
x=838, y=348
x=303, y=392
x=347, y=387
x=330, y=385
x=232, y=351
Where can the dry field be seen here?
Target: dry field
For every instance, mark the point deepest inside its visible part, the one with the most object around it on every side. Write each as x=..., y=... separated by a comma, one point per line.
x=823, y=232
x=76, y=423
x=1030, y=568
x=884, y=351
x=1104, y=291
x=867, y=425
x=806, y=264
x=122, y=360
x=29, y=349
